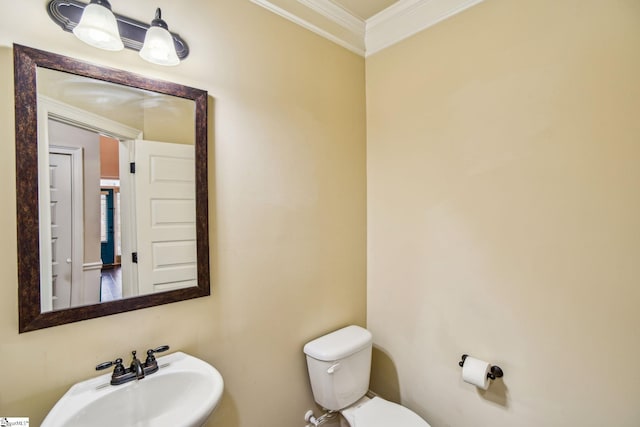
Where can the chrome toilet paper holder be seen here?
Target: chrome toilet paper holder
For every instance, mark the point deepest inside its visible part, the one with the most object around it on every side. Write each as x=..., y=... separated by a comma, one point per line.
x=494, y=371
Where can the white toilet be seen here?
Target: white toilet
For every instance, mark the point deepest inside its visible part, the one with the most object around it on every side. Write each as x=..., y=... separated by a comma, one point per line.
x=339, y=365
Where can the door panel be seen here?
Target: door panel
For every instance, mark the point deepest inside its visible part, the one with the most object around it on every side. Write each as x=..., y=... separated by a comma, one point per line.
x=166, y=213
x=61, y=229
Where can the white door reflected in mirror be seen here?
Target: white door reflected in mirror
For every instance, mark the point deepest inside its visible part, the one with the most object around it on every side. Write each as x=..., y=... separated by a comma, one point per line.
x=61, y=185
x=165, y=209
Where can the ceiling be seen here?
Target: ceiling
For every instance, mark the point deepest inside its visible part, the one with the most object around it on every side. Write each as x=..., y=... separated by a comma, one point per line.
x=122, y=104
x=366, y=26
x=364, y=9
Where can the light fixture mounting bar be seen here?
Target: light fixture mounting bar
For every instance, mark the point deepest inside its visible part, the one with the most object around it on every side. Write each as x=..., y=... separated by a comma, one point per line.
x=67, y=13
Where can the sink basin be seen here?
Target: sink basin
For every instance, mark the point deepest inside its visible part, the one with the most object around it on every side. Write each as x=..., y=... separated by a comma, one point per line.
x=184, y=392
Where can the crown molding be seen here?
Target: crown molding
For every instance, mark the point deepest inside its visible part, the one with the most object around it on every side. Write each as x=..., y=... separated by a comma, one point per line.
x=323, y=18
x=392, y=25
x=408, y=17
x=340, y=16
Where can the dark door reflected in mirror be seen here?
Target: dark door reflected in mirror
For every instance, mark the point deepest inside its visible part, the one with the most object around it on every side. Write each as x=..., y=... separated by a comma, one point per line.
x=118, y=164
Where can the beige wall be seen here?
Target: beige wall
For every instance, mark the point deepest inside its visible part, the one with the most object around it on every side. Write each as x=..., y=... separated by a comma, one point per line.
x=170, y=121
x=287, y=212
x=503, y=153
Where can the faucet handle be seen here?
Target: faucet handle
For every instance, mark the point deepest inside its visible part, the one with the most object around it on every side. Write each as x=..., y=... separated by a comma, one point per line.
x=118, y=369
x=159, y=349
x=150, y=354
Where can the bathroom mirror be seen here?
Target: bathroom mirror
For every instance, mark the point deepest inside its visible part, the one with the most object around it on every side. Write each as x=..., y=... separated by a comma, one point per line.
x=111, y=188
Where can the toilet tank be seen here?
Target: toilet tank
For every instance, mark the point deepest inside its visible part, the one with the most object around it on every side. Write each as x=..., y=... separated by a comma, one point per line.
x=339, y=365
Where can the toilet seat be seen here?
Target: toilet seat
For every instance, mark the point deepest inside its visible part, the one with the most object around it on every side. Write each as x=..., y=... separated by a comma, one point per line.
x=378, y=412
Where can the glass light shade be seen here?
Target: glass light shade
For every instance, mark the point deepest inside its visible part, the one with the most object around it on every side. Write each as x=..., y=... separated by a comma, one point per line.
x=98, y=28
x=158, y=47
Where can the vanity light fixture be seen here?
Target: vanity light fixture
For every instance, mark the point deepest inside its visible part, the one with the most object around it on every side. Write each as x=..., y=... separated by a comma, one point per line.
x=158, y=45
x=98, y=26
x=75, y=16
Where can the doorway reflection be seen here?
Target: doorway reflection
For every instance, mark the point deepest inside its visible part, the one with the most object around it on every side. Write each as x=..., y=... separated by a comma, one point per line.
x=110, y=232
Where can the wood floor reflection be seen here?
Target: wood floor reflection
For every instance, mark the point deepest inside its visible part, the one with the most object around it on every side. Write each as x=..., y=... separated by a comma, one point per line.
x=111, y=284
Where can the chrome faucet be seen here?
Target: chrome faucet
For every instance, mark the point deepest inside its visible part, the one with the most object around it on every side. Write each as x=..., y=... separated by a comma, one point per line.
x=136, y=370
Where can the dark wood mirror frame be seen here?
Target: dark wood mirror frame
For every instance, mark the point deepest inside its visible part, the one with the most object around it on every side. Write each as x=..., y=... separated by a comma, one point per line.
x=26, y=61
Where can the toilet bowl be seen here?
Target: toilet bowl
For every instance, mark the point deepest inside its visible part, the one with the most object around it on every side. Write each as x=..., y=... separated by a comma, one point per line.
x=378, y=412
x=339, y=366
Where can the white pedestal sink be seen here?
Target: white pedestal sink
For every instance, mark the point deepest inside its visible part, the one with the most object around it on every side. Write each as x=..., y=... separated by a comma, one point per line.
x=184, y=392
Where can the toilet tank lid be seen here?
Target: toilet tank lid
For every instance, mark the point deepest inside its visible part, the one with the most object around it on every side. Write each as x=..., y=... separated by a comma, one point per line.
x=339, y=344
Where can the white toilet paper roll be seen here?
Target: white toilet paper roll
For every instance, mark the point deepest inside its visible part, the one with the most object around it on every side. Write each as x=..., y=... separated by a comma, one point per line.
x=474, y=371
